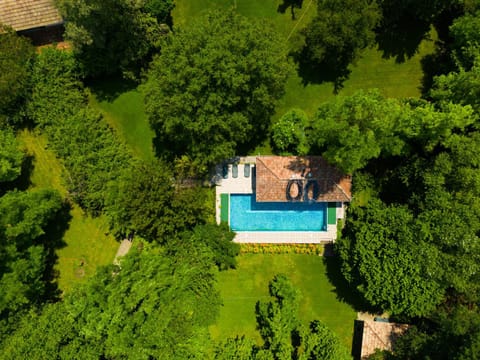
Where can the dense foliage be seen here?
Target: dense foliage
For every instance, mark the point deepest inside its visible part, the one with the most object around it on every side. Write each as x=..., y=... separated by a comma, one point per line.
x=146, y=200
x=288, y=133
x=112, y=36
x=24, y=217
x=337, y=34
x=91, y=152
x=212, y=90
x=15, y=66
x=153, y=306
x=11, y=156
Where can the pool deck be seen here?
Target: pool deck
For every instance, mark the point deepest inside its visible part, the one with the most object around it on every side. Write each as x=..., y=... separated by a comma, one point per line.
x=245, y=185
x=287, y=237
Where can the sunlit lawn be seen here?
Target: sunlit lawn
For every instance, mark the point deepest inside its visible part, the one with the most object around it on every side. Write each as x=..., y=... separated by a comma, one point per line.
x=123, y=109
x=243, y=287
x=87, y=244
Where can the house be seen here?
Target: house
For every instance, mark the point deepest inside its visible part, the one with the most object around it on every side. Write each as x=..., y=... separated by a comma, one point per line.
x=36, y=19
x=281, y=199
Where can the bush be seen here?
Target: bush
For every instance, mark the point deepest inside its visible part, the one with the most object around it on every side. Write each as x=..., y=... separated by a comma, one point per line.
x=309, y=249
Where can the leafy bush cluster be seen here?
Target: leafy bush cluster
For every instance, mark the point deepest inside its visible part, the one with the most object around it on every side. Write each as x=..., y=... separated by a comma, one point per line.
x=310, y=249
x=90, y=151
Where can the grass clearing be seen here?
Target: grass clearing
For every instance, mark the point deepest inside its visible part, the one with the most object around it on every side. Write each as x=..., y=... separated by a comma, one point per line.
x=243, y=287
x=122, y=107
x=87, y=244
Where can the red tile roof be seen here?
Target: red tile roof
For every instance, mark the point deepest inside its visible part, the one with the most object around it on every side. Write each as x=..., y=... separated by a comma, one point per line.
x=28, y=14
x=274, y=173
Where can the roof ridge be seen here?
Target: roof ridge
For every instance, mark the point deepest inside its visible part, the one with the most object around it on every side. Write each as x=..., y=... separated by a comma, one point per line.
x=342, y=190
x=266, y=167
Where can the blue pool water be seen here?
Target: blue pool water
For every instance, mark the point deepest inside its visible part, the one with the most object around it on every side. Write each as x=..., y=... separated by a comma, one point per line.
x=248, y=215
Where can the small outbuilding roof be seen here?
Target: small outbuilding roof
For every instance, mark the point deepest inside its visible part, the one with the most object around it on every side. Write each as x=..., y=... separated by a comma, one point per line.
x=380, y=335
x=28, y=14
x=274, y=173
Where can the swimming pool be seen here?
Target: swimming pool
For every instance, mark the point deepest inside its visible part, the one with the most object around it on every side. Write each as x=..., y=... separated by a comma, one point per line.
x=248, y=215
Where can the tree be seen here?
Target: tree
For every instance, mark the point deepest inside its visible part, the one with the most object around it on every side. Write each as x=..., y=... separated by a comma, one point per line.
x=91, y=152
x=277, y=320
x=24, y=217
x=335, y=37
x=466, y=40
x=112, y=36
x=213, y=88
x=385, y=257
x=11, y=157
x=350, y=132
x=152, y=306
x=160, y=9
x=319, y=342
x=288, y=133
x=219, y=239
x=15, y=68
x=285, y=337
x=145, y=200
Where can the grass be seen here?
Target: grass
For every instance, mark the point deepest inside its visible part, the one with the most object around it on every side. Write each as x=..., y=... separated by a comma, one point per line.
x=243, y=287
x=86, y=244
x=122, y=106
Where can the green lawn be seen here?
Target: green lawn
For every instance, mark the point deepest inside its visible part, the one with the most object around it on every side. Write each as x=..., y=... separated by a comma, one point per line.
x=243, y=287
x=86, y=244
x=122, y=106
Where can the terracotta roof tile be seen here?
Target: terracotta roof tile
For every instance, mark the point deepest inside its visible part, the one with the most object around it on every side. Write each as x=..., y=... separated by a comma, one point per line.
x=28, y=14
x=274, y=173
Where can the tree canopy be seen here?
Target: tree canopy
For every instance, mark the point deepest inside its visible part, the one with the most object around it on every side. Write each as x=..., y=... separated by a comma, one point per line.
x=146, y=201
x=213, y=88
x=335, y=37
x=11, y=157
x=153, y=306
x=24, y=217
x=15, y=68
x=110, y=36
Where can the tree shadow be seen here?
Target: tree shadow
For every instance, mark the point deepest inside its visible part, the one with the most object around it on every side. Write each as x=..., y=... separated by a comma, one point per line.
x=52, y=240
x=401, y=37
x=292, y=4
x=22, y=182
x=111, y=87
x=334, y=71
x=344, y=291
x=435, y=64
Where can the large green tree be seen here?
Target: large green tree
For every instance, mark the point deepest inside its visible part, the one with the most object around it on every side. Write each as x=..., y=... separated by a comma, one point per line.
x=16, y=57
x=152, y=306
x=24, y=217
x=110, y=36
x=335, y=37
x=89, y=147
x=11, y=156
x=353, y=130
x=213, y=88
x=146, y=200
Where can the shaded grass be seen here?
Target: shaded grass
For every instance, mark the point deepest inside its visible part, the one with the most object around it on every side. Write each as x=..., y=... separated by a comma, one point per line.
x=86, y=243
x=243, y=287
x=123, y=109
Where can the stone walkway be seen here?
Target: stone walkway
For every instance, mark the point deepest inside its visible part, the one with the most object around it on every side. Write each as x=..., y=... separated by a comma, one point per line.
x=123, y=249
